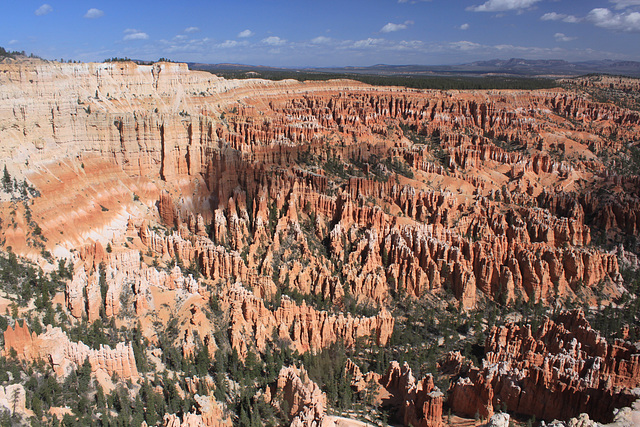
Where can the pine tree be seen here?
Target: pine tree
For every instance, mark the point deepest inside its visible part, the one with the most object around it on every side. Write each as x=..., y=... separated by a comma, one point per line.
x=15, y=400
x=203, y=361
x=84, y=376
x=6, y=180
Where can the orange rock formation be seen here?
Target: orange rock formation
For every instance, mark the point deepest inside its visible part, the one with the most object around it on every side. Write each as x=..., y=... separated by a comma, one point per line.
x=483, y=231
x=54, y=347
x=209, y=413
x=338, y=192
x=305, y=401
x=307, y=329
x=559, y=371
x=419, y=403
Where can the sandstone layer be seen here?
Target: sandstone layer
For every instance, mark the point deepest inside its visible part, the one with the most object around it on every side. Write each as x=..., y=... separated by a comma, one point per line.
x=283, y=211
x=420, y=402
x=54, y=347
x=217, y=155
x=559, y=371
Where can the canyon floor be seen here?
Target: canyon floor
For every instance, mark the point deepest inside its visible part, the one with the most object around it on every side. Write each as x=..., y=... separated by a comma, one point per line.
x=179, y=249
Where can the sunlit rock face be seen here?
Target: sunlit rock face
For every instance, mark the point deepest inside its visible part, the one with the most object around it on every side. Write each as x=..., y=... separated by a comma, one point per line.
x=563, y=369
x=304, y=211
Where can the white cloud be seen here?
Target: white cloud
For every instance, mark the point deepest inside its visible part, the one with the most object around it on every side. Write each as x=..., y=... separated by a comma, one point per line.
x=274, y=41
x=132, y=34
x=604, y=18
x=337, y=51
x=623, y=4
x=12, y=42
x=93, y=13
x=409, y=45
x=181, y=44
x=378, y=44
x=560, y=37
x=245, y=33
x=572, y=19
x=231, y=44
x=552, y=16
x=43, y=10
x=370, y=42
x=464, y=27
x=502, y=5
x=465, y=45
x=191, y=30
x=391, y=27
x=320, y=40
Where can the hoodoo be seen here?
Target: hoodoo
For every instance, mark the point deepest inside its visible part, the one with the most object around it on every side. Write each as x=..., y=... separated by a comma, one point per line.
x=179, y=249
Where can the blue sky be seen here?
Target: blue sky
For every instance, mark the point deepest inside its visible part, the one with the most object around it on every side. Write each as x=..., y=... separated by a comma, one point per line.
x=323, y=32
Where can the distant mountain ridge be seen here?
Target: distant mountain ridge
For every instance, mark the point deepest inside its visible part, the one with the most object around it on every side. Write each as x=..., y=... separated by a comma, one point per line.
x=556, y=66
x=506, y=67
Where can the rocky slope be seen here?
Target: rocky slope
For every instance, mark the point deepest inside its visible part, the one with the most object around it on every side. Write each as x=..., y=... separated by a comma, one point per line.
x=563, y=369
x=233, y=222
x=64, y=355
x=419, y=403
x=301, y=124
x=303, y=397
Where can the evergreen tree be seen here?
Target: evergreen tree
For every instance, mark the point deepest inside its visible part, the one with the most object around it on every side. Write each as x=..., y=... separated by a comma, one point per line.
x=6, y=181
x=203, y=361
x=84, y=376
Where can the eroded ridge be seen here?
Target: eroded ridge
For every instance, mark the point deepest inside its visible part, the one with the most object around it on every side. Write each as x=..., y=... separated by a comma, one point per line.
x=220, y=230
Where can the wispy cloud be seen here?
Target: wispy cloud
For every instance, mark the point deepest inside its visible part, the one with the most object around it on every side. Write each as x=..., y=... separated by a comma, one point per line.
x=43, y=10
x=391, y=27
x=560, y=37
x=229, y=44
x=182, y=43
x=245, y=33
x=623, y=4
x=502, y=5
x=366, y=43
x=604, y=18
x=93, y=13
x=465, y=45
x=320, y=40
x=336, y=51
x=463, y=27
x=571, y=19
x=553, y=16
x=132, y=34
x=191, y=30
x=274, y=41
